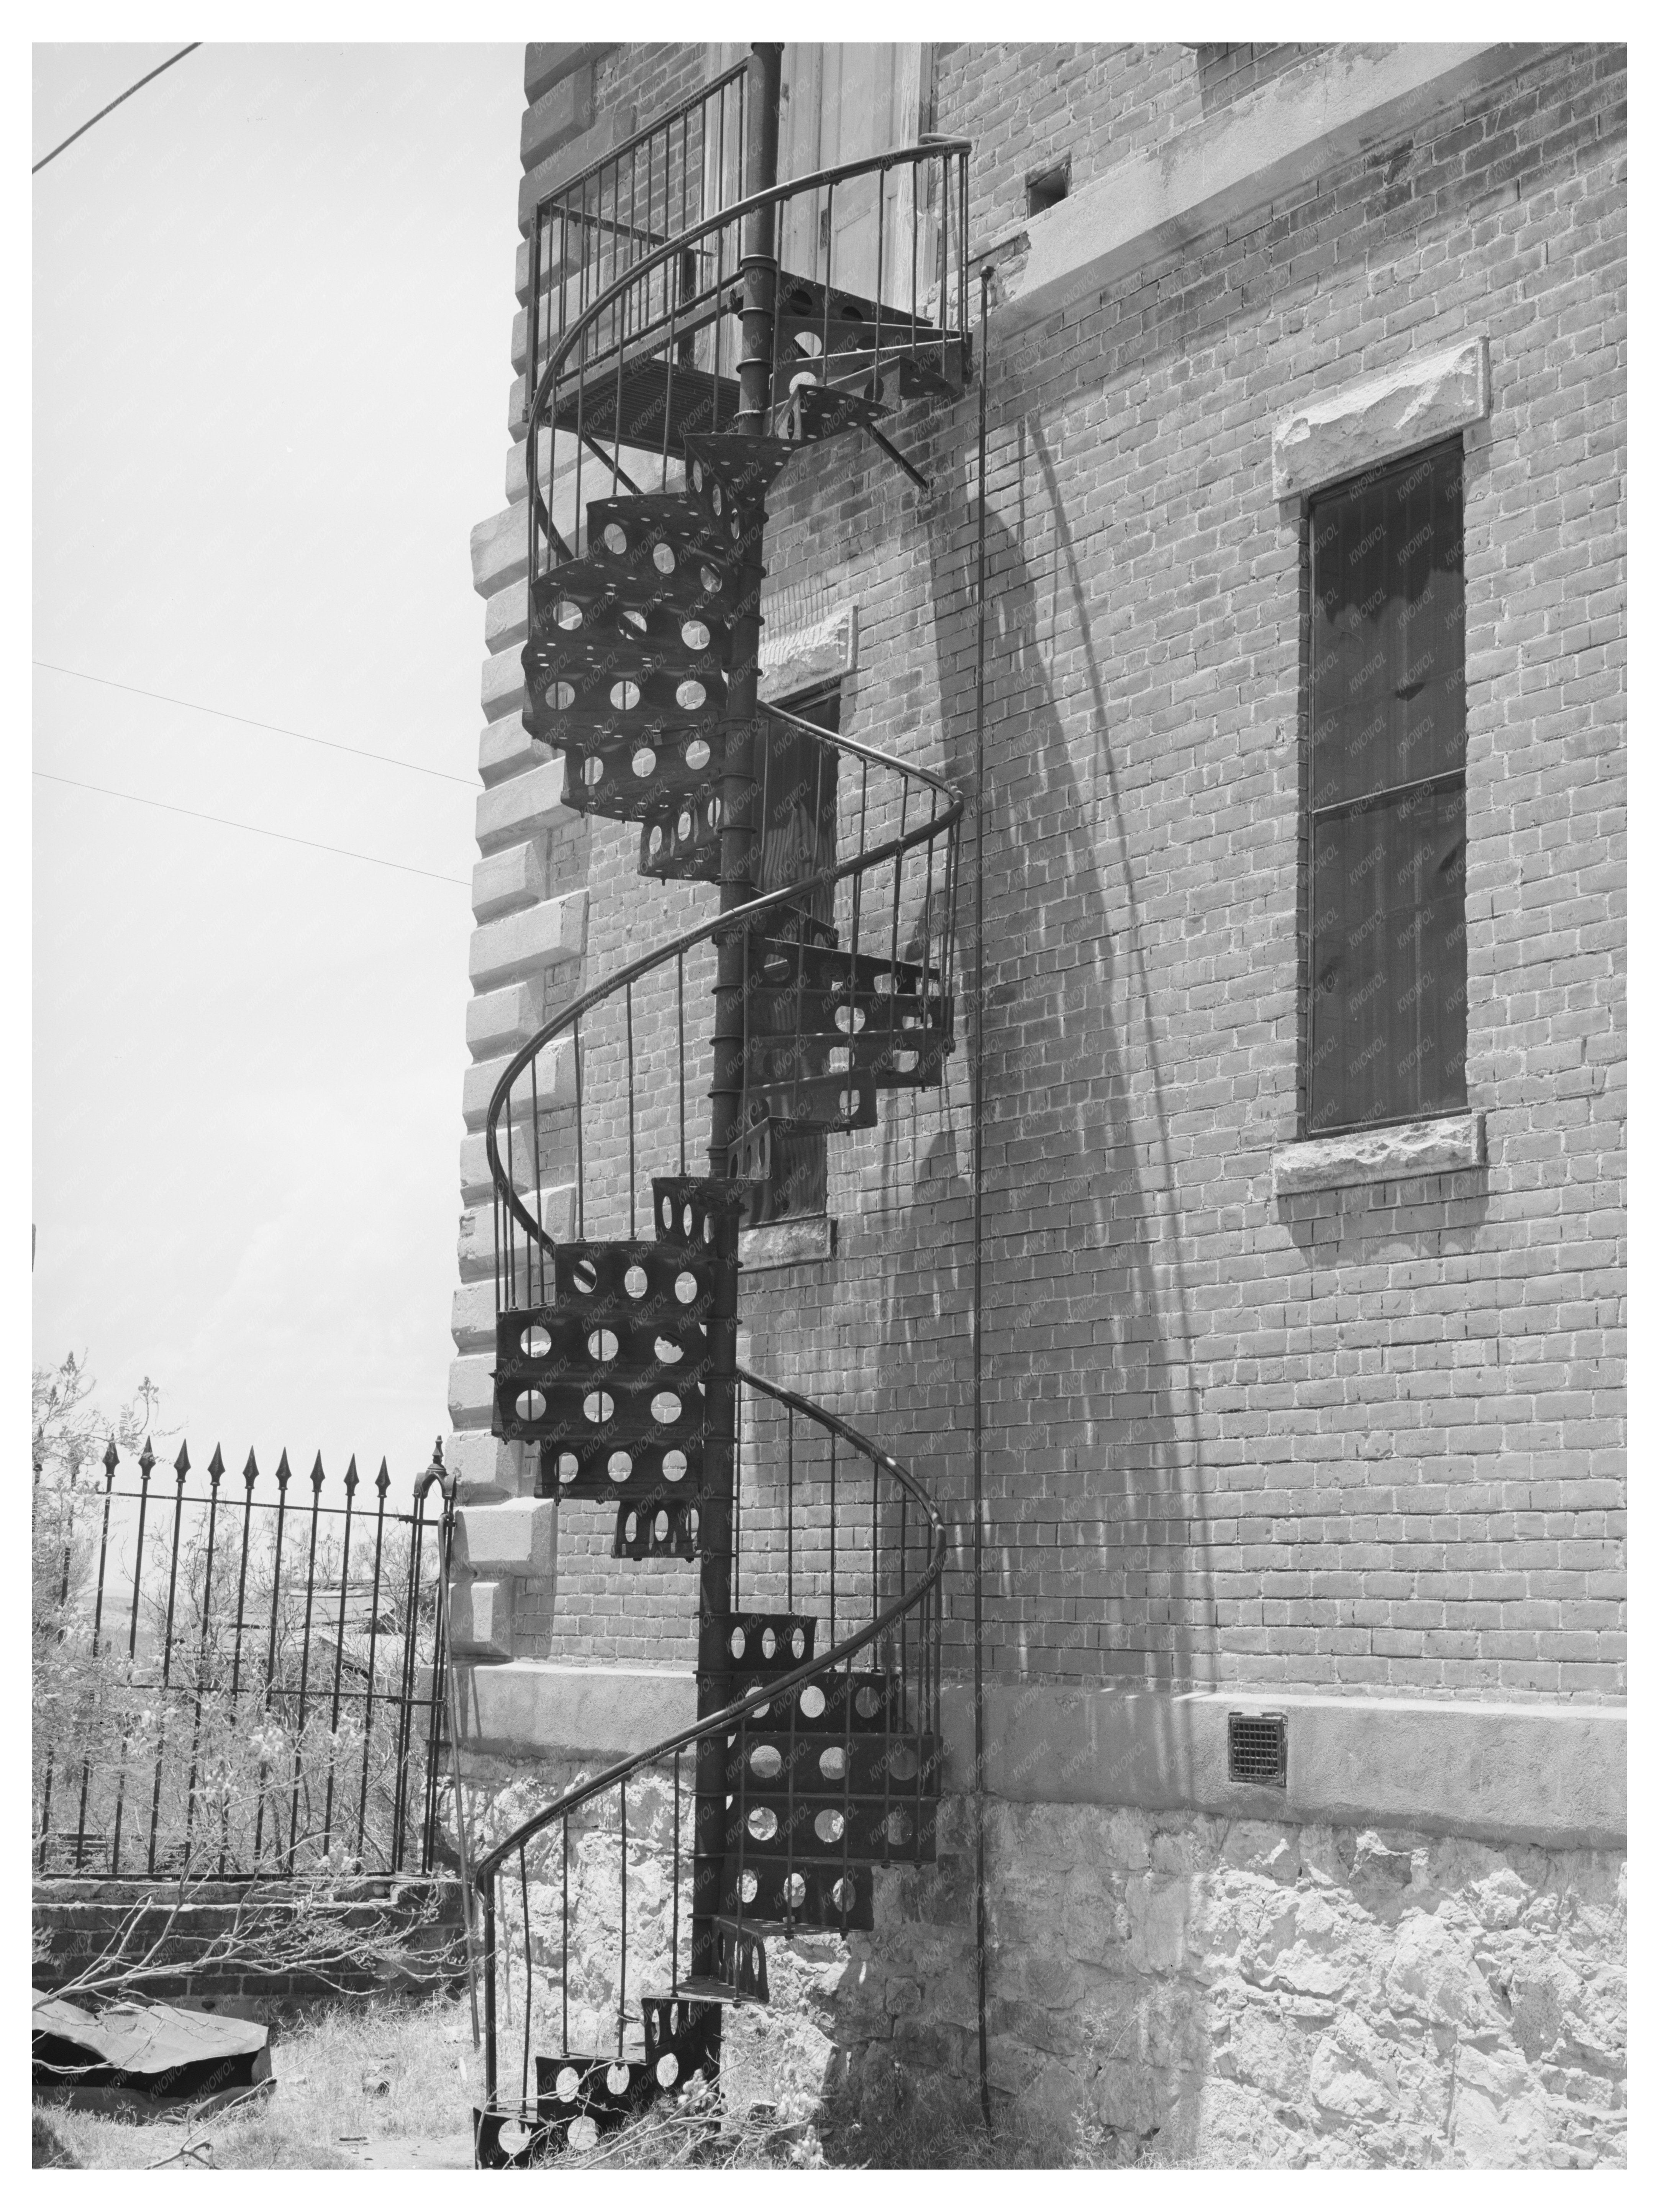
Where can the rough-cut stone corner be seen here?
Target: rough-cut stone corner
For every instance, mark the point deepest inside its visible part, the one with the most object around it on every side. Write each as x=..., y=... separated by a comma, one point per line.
x=1392, y=1155
x=1243, y=1993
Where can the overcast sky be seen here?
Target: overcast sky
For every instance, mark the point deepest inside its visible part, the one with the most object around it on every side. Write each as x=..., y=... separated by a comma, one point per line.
x=272, y=295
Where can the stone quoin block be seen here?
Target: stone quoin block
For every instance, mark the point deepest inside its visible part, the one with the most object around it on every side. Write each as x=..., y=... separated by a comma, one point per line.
x=513, y=1539
x=509, y=1017
x=537, y=938
x=520, y=807
x=506, y=881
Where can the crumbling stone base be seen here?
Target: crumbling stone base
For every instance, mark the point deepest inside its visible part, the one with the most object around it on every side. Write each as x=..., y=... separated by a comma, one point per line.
x=1242, y=1994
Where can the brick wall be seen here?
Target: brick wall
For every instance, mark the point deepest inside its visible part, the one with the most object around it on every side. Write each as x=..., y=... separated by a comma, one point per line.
x=1368, y=1439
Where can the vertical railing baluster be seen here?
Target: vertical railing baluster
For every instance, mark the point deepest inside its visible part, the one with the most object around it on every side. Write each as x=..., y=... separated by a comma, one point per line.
x=339, y=1653
x=249, y=1476
x=633, y=1186
x=564, y=1933
x=181, y=1468
x=216, y=1470
x=540, y=1255
x=679, y=1032
x=881, y=242
x=622, y=1971
x=581, y=1172
x=789, y=1523
x=282, y=1479
x=406, y=1676
x=382, y=1483
x=305, y=1662
x=832, y=1538
x=68, y=1526
x=111, y=1460
x=529, y=1971
x=436, y=1713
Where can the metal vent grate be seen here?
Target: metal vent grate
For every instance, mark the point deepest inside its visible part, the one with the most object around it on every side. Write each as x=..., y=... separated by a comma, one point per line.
x=1256, y=1749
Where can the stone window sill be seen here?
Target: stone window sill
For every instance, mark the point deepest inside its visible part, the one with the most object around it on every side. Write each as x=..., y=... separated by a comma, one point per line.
x=1386, y=1155
x=786, y=1243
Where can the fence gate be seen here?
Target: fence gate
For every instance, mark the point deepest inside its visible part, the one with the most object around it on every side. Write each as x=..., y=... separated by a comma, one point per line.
x=235, y=1674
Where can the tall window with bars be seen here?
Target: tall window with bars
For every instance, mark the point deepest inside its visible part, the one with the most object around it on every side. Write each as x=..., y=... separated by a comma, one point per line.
x=1384, y=963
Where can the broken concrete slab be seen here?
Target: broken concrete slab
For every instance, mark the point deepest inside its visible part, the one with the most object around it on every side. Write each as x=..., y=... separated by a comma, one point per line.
x=159, y=2051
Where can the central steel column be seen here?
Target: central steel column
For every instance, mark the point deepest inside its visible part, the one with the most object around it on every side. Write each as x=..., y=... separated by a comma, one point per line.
x=739, y=858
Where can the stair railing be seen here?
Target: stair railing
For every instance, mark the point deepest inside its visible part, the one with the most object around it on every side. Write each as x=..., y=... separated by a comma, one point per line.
x=641, y=194
x=616, y=1077
x=865, y=1539
x=663, y=333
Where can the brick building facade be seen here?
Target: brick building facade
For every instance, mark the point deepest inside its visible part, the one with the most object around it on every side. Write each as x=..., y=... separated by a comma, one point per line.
x=1314, y=1408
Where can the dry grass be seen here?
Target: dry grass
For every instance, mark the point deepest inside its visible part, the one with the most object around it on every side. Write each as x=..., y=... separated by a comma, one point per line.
x=918, y=2126
x=326, y=2105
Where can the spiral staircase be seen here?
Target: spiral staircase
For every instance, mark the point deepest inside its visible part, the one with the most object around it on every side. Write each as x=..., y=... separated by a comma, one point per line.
x=661, y=419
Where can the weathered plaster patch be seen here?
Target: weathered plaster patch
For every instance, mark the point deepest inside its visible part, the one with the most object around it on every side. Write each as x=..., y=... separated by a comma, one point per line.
x=1340, y=434
x=1390, y=1155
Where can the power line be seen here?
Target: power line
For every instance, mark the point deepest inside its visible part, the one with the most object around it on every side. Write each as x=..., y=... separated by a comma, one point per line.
x=114, y=103
x=343, y=851
x=277, y=729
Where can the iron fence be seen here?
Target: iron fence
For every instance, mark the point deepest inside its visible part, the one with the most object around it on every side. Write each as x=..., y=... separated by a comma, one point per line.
x=239, y=1678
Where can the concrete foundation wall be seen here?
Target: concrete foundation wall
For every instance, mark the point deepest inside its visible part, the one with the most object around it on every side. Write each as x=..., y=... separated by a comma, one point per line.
x=1260, y=1994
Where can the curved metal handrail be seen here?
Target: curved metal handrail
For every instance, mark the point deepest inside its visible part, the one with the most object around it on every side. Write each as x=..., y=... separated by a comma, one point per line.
x=771, y=196
x=849, y=1646
x=737, y=918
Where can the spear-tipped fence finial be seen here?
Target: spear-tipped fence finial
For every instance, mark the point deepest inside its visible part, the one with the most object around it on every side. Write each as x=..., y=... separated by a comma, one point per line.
x=181, y=1465
x=317, y=1473
x=283, y=1472
x=112, y=1460
x=146, y=1459
x=383, y=1481
x=351, y=1477
x=251, y=1473
x=215, y=1466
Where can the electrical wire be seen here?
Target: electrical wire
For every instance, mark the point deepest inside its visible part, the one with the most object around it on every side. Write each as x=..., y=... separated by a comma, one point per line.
x=253, y=829
x=277, y=729
x=37, y=167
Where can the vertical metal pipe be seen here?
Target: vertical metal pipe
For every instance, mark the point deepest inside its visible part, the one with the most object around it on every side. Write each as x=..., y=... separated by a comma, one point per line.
x=981, y=1946
x=737, y=876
